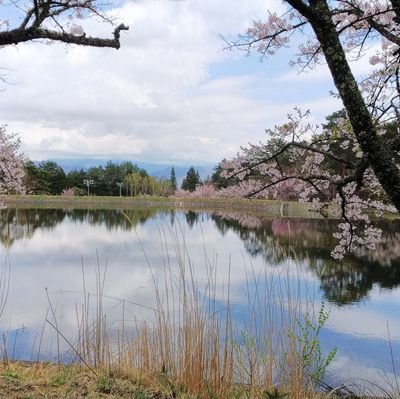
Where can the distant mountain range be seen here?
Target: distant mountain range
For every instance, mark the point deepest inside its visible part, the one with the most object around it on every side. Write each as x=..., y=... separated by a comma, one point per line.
x=154, y=169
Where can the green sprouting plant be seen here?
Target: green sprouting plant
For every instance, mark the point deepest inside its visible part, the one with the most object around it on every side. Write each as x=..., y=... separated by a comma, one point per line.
x=308, y=347
x=246, y=357
x=59, y=379
x=105, y=384
x=10, y=375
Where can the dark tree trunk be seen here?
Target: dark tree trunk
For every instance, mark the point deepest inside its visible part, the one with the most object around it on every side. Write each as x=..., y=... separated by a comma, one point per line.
x=379, y=157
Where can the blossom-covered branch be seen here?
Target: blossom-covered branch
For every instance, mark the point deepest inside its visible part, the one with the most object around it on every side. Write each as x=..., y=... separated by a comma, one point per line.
x=329, y=167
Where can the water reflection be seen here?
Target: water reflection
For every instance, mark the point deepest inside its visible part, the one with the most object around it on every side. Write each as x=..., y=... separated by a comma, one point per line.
x=309, y=242
x=275, y=240
x=17, y=224
x=48, y=247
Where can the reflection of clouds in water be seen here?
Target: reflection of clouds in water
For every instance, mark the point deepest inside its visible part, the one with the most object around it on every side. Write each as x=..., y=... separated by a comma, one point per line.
x=52, y=258
x=360, y=377
x=128, y=275
x=363, y=322
x=307, y=241
x=27, y=299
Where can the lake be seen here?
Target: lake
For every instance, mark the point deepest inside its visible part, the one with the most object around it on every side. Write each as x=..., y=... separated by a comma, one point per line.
x=50, y=257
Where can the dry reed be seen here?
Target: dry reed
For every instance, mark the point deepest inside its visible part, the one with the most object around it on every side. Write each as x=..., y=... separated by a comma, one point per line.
x=192, y=342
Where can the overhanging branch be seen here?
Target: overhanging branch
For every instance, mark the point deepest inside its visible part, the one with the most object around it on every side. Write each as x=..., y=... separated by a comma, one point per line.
x=19, y=35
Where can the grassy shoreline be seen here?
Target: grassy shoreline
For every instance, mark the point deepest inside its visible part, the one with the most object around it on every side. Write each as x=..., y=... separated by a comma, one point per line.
x=25, y=380
x=267, y=207
x=28, y=380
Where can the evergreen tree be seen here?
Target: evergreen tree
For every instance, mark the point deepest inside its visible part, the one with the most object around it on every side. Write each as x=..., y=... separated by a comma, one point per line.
x=75, y=180
x=33, y=179
x=191, y=180
x=172, y=180
x=52, y=178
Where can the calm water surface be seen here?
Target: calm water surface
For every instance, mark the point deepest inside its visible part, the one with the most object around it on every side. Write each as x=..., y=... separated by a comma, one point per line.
x=44, y=252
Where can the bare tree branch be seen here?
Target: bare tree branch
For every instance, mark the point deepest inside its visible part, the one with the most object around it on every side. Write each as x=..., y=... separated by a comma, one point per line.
x=34, y=24
x=23, y=35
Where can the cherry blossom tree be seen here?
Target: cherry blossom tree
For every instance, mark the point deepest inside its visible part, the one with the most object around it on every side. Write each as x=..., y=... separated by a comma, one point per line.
x=11, y=164
x=335, y=32
x=308, y=170
x=54, y=20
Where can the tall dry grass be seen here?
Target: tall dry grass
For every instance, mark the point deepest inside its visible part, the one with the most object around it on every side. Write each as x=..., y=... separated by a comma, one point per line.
x=192, y=340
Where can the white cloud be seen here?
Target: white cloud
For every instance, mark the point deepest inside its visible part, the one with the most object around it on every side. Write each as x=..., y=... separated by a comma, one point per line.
x=155, y=99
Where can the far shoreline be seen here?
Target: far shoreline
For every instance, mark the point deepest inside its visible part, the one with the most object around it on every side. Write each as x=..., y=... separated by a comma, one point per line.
x=273, y=208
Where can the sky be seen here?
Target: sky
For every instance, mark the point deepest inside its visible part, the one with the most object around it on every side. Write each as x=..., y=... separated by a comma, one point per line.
x=171, y=95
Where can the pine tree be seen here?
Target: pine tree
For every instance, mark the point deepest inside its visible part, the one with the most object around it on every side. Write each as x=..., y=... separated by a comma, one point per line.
x=191, y=180
x=172, y=180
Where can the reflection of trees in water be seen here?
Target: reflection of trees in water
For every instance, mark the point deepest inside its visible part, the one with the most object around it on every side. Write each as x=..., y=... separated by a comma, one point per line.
x=275, y=240
x=17, y=224
x=113, y=218
x=352, y=280
x=22, y=223
x=193, y=217
x=309, y=242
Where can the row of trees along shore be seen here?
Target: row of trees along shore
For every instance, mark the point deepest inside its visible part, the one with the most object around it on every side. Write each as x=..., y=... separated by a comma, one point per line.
x=113, y=179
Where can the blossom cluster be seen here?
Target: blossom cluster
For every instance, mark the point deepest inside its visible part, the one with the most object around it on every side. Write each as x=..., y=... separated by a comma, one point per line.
x=319, y=171
x=11, y=164
x=68, y=192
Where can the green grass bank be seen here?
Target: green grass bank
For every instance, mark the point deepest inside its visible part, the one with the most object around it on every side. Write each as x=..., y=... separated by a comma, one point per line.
x=291, y=209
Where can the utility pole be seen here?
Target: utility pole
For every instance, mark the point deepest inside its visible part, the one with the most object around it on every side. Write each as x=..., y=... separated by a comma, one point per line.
x=120, y=185
x=88, y=183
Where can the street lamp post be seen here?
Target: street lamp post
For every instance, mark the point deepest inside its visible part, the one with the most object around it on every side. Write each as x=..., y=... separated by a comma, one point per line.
x=120, y=185
x=88, y=183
